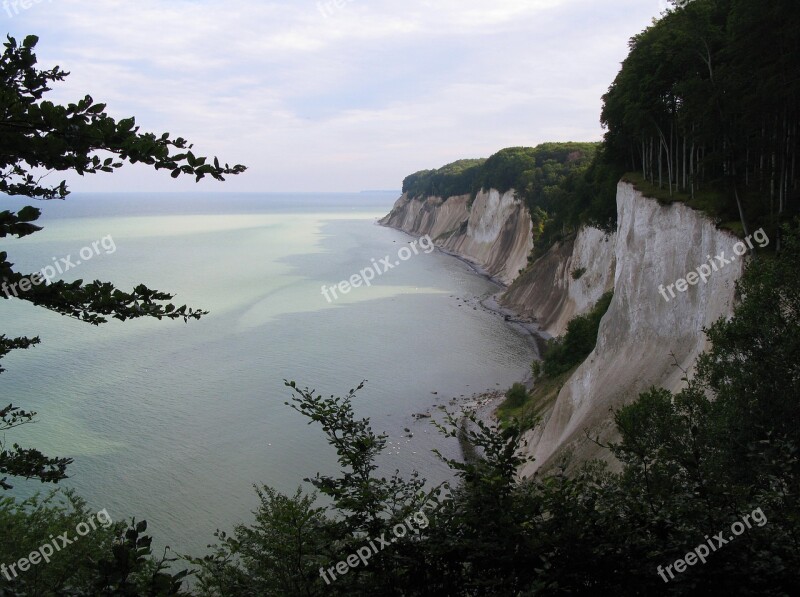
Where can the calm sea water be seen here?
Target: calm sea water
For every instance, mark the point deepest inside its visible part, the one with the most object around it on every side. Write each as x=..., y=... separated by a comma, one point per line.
x=175, y=422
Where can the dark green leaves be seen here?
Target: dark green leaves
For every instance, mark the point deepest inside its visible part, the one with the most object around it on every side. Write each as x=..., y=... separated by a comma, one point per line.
x=18, y=224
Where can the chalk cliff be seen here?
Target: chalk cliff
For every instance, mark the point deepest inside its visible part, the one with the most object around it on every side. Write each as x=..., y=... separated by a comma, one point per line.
x=641, y=338
x=494, y=232
x=566, y=281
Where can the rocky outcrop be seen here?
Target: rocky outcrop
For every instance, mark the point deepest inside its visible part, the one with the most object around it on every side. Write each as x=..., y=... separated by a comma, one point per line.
x=493, y=231
x=643, y=340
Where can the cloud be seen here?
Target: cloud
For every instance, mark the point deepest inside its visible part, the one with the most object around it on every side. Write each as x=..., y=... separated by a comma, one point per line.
x=315, y=97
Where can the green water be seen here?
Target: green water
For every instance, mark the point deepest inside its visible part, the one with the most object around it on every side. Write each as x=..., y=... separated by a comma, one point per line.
x=174, y=422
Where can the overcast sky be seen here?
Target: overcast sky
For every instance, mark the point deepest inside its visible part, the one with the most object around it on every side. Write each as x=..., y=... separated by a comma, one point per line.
x=316, y=98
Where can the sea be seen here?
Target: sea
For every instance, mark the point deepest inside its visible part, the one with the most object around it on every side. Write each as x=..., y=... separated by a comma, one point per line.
x=173, y=422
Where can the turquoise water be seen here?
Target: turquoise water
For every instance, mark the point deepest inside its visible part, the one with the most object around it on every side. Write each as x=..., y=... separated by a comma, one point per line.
x=175, y=422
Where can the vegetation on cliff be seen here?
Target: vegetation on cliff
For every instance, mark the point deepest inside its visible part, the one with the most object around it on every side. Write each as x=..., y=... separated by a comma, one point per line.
x=564, y=353
x=562, y=184
x=561, y=356
x=458, y=178
x=709, y=100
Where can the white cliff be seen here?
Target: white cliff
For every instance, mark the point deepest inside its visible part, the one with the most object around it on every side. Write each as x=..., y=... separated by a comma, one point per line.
x=494, y=232
x=551, y=292
x=643, y=339
x=642, y=336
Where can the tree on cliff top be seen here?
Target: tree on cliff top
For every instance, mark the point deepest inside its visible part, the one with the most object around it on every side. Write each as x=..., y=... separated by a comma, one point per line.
x=707, y=104
x=38, y=137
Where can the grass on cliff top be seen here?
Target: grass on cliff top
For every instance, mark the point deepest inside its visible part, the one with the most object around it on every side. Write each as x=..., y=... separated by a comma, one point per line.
x=709, y=202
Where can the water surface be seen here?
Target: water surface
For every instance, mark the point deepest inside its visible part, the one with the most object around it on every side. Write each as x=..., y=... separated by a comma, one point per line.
x=174, y=422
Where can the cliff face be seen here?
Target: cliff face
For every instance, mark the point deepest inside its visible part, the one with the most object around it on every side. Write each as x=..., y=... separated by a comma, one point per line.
x=567, y=281
x=655, y=245
x=494, y=233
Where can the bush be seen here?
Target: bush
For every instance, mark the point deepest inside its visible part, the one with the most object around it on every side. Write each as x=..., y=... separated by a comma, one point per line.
x=516, y=396
x=577, y=274
x=564, y=353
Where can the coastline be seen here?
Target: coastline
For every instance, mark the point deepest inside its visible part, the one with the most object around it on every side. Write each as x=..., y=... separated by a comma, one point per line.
x=491, y=303
x=485, y=403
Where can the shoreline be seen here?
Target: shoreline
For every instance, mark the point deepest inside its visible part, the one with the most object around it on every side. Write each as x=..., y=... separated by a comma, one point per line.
x=486, y=402
x=491, y=303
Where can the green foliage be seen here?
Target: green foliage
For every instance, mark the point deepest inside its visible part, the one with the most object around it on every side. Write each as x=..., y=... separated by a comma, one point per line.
x=477, y=534
x=564, y=185
x=458, y=178
x=765, y=330
x=108, y=560
x=278, y=555
x=131, y=569
x=710, y=202
x=29, y=524
x=37, y=133
x=536, y=368
x=358, y=493
x=25, y=462
x=578, y=342
x=516, y=406
x=685, y=113
x=528, y=412
x=516, y=395
x=536, y=172
x=586, y=196
x=292, y=538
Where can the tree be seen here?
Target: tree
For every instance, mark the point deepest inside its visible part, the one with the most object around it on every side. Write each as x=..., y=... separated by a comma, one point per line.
x=709, y=99
x=103, y=557
x=278, y=555
x=38, y=137
x=293, y=541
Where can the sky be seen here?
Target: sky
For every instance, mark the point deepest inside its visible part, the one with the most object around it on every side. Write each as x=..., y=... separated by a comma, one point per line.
x=334, y=95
